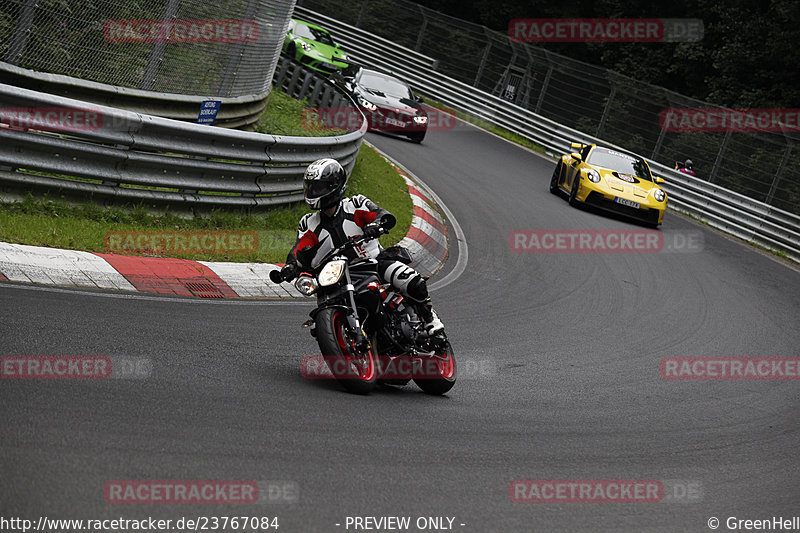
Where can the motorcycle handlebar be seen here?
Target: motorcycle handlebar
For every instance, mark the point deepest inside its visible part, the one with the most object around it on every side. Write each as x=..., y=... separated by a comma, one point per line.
x=276, y=276
x=279, y=276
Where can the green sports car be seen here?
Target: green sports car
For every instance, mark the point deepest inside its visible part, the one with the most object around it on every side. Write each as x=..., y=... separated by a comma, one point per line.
x=313, y=47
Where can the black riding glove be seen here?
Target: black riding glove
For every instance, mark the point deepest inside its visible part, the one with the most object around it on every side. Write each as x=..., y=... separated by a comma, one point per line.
x=374, y=230
x=290, y=271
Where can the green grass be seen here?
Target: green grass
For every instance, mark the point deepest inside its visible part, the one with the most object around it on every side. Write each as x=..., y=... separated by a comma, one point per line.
x=287, y=116
x=56, y=223
x=488, y=126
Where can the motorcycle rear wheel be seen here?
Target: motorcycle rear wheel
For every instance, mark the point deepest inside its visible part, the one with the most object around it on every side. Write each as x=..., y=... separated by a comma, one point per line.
x=355, y=370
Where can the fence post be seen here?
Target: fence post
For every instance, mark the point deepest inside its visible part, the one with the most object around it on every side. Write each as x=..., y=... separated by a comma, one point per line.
x=720, y=155
x=784, y=160
x=361, y=13
x=21, y=32
x=484, y=60
x=157, y=52
x=607, y=109
x=659, y=142
x=235, y=55
x=422, y=29
x=545, y=83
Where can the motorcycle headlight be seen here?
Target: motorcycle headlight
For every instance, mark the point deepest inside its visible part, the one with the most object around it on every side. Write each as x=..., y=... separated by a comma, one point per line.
x=593, y=176
x=307, y=285
x=366, y=104
x=421, y=119
x=331, y=273
x=659, y=195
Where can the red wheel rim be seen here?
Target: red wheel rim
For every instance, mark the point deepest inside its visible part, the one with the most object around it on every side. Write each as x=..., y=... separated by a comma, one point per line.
x=363, y=366
x=445, y=365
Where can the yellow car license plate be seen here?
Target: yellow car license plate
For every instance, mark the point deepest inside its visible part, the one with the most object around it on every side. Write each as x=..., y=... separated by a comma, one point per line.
x=629, y=203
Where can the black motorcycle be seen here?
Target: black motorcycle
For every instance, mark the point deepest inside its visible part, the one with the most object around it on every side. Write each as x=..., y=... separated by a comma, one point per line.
x=367, y=332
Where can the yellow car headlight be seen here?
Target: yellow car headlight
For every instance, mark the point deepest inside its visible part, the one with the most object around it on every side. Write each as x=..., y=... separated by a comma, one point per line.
x=659, y=195
x=331, y=273
x=593, y=176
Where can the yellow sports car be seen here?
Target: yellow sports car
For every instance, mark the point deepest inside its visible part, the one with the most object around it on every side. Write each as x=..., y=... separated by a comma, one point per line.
x=611, y=180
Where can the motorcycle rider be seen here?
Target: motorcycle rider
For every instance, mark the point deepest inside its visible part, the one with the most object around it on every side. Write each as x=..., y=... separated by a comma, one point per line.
x=337, y=218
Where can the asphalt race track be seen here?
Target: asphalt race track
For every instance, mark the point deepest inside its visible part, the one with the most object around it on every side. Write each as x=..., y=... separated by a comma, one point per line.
x=559, y=356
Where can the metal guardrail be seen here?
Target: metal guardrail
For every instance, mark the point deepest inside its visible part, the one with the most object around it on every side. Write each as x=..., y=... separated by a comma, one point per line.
x=739, y=215
x=240, y=112
x=134, y=157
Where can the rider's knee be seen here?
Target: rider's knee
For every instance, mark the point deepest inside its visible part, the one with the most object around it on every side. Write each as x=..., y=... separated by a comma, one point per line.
x=406, y=280
x=417, y=289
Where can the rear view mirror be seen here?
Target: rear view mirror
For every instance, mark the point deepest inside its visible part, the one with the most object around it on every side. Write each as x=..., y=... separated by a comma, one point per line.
x=658, y=179
x=418, y=99
x=577, y=146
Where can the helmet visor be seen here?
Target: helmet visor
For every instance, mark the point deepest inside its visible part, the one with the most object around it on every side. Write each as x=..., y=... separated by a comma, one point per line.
x=319, y=188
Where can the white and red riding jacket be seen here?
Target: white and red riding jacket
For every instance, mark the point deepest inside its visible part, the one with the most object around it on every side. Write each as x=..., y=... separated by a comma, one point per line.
x=323, y=233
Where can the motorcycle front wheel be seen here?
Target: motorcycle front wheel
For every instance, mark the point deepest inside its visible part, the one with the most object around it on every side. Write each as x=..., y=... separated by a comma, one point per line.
x=354, y=369
x=443, y=376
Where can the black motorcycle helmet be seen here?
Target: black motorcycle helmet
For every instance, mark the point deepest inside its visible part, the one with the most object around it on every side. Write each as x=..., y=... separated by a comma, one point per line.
x=324, y=183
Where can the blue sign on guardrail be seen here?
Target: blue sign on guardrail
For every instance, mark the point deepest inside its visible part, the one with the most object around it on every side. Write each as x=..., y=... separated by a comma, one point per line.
x=208, y=112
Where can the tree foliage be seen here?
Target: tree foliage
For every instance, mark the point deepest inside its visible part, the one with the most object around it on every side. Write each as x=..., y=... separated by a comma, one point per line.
x=747, y=58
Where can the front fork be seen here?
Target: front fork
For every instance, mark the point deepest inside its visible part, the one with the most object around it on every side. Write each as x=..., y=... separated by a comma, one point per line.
x=360, y=339
x=359, y=336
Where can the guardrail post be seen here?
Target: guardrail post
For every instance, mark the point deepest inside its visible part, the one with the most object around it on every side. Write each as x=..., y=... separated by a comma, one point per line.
x=784, y=160
x=306, y=84
x=157, y=52
x=326, y=97
x=314, y=98
x=21, y=32
x=284, y=68
x=290, y=90
x=720, y=155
